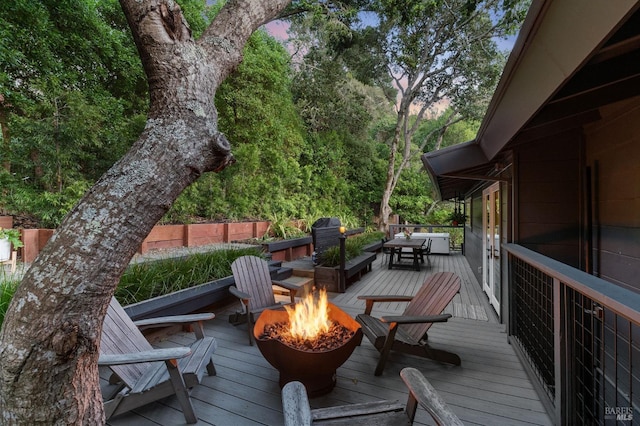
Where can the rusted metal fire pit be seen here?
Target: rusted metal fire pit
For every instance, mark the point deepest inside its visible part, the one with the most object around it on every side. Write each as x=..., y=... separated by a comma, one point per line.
x=315, y=369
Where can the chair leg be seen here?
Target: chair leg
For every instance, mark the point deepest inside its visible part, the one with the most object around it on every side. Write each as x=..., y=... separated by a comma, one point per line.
x=211, y=368
x=250, y=326
x=181, y=392
x=386, y=348
x=441, y=355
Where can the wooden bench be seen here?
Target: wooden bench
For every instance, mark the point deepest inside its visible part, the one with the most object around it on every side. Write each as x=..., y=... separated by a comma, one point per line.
x=359, y=265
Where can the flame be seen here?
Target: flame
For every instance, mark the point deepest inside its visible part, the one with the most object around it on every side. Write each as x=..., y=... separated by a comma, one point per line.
x=309, y=318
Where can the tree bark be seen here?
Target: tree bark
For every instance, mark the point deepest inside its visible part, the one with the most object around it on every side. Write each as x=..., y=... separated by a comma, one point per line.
x=49, y=342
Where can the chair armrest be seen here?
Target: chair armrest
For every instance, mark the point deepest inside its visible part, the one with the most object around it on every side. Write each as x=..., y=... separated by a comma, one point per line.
x=421, y=391
x=370, y=300
x=386, y=298
x=239, y=294
x=172, y=320
x=295, y=405
x=286, y=285
x=144, y=356
x=293, y=289
x=402, y=319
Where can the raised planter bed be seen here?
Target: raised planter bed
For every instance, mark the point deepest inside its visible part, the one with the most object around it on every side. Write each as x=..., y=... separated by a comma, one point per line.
x=328, y=277
x=290, y=249
x=195, y=298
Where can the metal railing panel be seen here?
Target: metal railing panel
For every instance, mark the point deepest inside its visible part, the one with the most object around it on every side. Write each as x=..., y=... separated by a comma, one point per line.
x=581, y=337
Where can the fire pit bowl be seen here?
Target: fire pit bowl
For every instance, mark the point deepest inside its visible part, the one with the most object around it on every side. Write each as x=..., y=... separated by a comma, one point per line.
x=315, y=369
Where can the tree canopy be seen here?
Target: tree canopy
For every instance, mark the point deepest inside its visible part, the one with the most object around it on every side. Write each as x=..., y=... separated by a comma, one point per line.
x=313, y=131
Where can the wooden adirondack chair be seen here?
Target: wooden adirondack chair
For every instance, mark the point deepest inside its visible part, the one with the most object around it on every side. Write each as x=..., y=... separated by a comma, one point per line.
x=408, y=332
x=254, y=288
x=297, y=412
x=147, y=374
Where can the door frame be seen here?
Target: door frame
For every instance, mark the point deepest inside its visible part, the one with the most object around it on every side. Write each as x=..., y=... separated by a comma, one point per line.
x=491, y=263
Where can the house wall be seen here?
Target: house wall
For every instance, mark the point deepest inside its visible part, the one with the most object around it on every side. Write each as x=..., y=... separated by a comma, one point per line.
x=613, y=154
x=547, y=196
x=473, y=236
x=474, y=250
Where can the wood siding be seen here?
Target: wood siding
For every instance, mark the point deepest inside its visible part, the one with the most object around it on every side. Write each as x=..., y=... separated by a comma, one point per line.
x=613, y=154
x=548, y=188
x=473, y=237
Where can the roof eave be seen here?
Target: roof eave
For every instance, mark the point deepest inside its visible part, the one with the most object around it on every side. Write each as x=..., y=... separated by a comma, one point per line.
x=545, y=56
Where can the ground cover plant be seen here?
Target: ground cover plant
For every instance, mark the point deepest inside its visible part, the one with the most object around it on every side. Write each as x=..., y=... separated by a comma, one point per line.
x=8, y=286
x=145, y=280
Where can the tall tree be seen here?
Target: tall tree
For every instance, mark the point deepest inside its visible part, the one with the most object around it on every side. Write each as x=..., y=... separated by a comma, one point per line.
x=338, y=108
x=437, y=52
x=49, y=341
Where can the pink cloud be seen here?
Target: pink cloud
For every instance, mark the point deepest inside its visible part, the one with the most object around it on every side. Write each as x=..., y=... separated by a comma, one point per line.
x=278, y=29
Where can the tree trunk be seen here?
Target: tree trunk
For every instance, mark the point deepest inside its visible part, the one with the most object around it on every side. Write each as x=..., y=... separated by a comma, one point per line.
x=49, y=343
x=393, y=169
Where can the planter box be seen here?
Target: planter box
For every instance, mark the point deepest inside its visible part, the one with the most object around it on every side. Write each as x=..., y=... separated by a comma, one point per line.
x=291, y=249
x=6, y=222
x=195, y=298
x=182, y=302
x=328, y=277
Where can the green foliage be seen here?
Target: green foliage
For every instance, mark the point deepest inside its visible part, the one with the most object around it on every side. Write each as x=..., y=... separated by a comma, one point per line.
x=283, y=228
x=79, y=104
x=353, y=248
x=457, y=216
x=49, y=207
x=435, y=51
x=311, y=140
x=366, y=238
x=143, y=281
x=8, y=287
x=11, y=235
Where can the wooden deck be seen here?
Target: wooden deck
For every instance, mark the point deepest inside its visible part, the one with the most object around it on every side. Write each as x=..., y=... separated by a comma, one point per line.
x=489, y=388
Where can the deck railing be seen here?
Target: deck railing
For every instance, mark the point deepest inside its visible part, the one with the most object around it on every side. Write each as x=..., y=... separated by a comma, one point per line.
x=456, y=233
x=579, y=335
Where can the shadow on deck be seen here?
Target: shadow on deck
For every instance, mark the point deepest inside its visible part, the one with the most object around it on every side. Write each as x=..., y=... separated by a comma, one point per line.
x=489, y=388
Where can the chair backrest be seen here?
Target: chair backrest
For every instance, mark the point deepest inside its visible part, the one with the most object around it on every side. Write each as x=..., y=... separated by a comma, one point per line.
x=428, y=248
x=435, y=294
x=251, y=275
x=120, y=335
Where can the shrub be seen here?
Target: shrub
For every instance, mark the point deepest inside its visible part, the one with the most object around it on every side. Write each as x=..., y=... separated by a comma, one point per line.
x=353, y=248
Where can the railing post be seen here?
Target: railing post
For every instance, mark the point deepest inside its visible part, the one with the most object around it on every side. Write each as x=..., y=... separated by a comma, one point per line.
x=560, y=353
x=343, y=255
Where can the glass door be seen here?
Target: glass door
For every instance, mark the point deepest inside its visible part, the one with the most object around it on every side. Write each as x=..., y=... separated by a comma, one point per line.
x=491, y=245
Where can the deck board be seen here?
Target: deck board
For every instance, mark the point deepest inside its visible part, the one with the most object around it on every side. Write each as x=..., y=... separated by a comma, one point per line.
x=489, y=388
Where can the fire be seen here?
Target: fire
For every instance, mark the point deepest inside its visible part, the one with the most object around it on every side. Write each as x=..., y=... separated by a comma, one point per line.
x=309, y=318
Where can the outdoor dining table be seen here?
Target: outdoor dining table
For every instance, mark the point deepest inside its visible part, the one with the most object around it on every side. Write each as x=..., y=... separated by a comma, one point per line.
x=397, y=244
